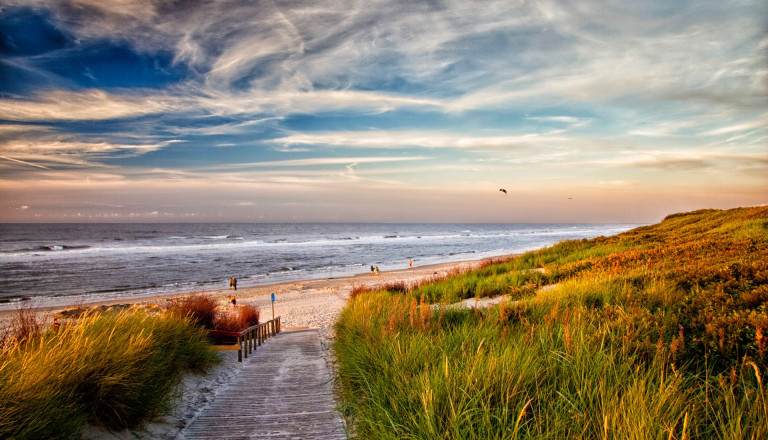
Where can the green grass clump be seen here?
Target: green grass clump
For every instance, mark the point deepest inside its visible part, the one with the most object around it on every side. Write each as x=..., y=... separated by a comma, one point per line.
x=654, y=333
x=113, y=370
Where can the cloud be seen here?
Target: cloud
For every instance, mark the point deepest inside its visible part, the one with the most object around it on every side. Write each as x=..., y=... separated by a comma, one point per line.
x=24, y=162
x=761, y=123
x=571, y=121
x=92, y=105
x=688, y=160
x=331, y=161
x=293, y=102
x=58, y=153
x=95, y=105
x=424, y=139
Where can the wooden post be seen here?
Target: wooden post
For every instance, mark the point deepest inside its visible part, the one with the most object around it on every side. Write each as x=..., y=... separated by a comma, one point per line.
x=239, y=348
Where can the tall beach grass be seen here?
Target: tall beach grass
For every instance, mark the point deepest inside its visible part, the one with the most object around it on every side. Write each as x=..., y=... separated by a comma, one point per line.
x=115, y=370
x=657, y=333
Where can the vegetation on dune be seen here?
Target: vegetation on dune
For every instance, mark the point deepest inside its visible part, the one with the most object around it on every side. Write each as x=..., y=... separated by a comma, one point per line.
x=205, y=311
x=115, y=370
x=658, y=332
x=239, y=319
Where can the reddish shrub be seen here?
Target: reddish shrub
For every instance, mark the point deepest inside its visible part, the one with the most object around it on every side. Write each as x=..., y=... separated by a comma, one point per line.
x=249, y=314
x=358, y=290
x=237, y=320
x=397, y=287
x=227, y=321
x=201, y=308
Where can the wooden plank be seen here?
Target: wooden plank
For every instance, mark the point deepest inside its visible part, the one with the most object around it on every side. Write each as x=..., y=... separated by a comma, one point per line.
x=283, y=391
x=226, y=347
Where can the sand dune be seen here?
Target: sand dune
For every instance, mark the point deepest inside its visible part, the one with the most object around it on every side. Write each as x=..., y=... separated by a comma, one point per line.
x=313, y=304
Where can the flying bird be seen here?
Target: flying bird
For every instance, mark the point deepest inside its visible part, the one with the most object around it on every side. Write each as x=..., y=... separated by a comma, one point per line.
x=503, y=190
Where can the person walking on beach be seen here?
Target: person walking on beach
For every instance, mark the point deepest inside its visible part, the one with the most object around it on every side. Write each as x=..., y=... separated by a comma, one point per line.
x=410, y=263
x=371, y=269
x=234, y=283
x=231, y=283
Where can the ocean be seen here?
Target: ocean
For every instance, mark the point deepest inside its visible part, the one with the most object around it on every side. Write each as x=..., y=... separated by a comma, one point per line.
x=57, y=264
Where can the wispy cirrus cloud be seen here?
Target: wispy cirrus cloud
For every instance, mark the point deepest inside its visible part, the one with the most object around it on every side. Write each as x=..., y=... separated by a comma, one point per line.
x=90, y=105
x=423, y=139
x=95, y=105
x=58, y=153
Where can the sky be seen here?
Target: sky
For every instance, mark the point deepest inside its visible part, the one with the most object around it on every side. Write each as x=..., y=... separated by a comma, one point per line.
x=381, y=111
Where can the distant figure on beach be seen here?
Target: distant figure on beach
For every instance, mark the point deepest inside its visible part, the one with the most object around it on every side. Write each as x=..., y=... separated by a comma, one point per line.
x=371, y=269
x=231, y=283
x=410, y=263
x=234, y=283
x=377, y=270
x=55, y=324
x=233, y=300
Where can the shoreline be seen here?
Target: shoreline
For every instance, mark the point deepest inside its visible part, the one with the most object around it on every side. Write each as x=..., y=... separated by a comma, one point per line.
x=289, y=294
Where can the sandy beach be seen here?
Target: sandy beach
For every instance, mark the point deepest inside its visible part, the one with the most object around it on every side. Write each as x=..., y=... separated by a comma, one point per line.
x=309, y=303
x=300, y=304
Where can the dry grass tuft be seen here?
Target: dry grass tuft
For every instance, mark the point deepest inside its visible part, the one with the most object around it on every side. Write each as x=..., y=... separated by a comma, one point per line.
x=24, y=324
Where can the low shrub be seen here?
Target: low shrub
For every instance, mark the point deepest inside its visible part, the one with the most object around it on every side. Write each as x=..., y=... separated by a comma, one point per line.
x=358, y=290
x=202, y=309
x=249, y=314
x=241, y=318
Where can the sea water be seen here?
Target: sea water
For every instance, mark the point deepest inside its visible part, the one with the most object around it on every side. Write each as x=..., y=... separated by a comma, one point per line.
x=54, y=264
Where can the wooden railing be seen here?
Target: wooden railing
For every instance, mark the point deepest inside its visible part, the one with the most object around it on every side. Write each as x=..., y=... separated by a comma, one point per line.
x=250, y=338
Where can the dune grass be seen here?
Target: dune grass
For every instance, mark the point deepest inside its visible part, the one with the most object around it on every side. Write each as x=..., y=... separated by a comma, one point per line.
x=654, y=333
x=115, y=370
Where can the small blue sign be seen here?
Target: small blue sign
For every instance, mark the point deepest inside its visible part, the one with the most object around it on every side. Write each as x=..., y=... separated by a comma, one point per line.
x=273, y=297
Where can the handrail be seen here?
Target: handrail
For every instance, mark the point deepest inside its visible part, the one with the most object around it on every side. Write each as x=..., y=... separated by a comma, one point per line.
x=250, y=338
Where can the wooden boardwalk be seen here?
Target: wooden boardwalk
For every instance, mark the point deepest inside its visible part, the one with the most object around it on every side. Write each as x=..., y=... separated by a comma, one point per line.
x=284, y=391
